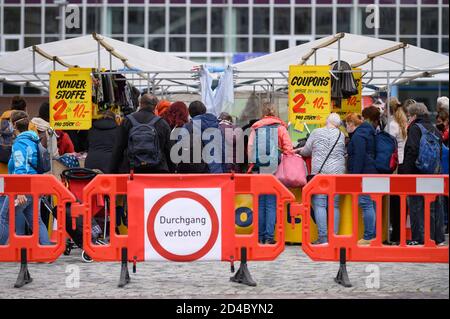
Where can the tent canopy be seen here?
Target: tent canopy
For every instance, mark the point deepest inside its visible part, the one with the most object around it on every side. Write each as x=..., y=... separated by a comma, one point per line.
x=84, y=52
x=404, y=62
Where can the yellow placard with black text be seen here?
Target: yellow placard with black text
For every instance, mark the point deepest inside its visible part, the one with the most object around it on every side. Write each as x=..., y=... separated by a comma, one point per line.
x=309, y=94
x=71, y=99
x=353, y=103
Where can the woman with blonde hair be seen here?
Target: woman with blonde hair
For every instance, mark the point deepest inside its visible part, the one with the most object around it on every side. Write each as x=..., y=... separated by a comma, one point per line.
x=397, y=126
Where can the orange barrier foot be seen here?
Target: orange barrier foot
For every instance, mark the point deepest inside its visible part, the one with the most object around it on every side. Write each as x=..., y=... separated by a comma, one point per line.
x=342, y=275
x=24, y=275
x=124, y=274
x=243, y=274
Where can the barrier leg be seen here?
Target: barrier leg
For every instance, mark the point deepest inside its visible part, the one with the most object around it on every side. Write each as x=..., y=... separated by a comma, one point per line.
x=243, y=276
x=342, y=276
x=24, y=275
x=124, y=274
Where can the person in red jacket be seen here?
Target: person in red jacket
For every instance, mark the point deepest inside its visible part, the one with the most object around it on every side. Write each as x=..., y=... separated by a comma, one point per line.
x=65, y=144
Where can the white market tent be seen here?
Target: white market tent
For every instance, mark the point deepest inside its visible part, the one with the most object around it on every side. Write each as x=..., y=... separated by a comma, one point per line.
x=384, y=63
x=146, y=68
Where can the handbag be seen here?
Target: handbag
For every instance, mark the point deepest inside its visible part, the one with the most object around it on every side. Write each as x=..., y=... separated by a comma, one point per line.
x=310, y=177
x=291, y=171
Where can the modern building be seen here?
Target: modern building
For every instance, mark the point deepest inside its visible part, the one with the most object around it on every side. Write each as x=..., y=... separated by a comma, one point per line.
x=218, y=31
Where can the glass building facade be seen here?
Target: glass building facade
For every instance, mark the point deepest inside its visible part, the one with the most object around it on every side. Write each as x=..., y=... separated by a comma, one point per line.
x=214, y=31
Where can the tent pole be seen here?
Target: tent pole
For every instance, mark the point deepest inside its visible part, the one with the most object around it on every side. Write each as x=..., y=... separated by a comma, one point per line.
x=315, y=57
x=339, y=54
x=148, y=82
x=404, y=59
x=110, y=60
x=98, y=56
x=54, y=64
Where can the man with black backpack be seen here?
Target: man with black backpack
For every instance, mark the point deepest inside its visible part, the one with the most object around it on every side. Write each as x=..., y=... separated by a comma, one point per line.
x=143, y=141
x=422, y=156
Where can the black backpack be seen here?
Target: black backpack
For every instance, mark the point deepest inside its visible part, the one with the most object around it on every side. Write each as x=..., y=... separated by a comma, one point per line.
x=143, y=143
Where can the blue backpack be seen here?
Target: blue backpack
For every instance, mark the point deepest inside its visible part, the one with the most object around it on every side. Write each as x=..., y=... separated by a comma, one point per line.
x=428, y=161
x=266, y=146
x=444, y=160
x=43, y=159
x=386, y=153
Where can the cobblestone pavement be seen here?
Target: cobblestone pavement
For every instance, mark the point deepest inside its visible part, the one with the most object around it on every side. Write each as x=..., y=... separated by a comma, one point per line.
x=292, y=275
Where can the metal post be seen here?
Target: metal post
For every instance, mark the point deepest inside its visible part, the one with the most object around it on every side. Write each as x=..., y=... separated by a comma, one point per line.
x=315, y=57
x=110, y=61
x=34, y=61
x=339, y=54
x=404, y=59
x=98, y=56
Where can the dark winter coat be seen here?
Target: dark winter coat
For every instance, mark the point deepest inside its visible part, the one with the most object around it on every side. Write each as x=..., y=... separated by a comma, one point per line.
x=361, y=150
x=101, y=140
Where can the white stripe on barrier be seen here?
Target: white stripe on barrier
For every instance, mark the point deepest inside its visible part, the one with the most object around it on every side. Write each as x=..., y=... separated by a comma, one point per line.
x=376, y=185
x=429, y=185
x=2, y=184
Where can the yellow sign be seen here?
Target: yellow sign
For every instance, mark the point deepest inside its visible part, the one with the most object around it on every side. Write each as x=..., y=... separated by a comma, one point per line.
x=352, y=104
x=71, y=99
x=309, y=94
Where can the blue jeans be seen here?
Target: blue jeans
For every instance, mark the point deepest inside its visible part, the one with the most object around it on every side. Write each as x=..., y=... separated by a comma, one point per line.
x=24, y=215
x=267, y=216
x=320, y=205
x=369, y=216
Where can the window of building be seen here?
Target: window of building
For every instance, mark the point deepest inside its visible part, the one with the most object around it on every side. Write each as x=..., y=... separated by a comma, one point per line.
x=445, y=20
x=157, y=44
x=93, y=19
x=177, y=44
x=136, y=20
x=324, y=18
x=302, y=20
x=430, y=21
x=429, y=44
x=32, y=20
x=29, y=41
x=217, y=45
x=11, y=20
x=139, y=41
x=261, y=45
x=156, y=20
x=51, y=20
x=241, y=20
x=412, y=41
x=261, y=20
x=387, y=20
x=115, y=17
x=344, y=20
x=198, y=45
x=239, y=44
x=445, y=45
x=282, y=21
x=408, y=21
x=177, y=22
x=365, y=27
x=218, y=20
x=198, y=21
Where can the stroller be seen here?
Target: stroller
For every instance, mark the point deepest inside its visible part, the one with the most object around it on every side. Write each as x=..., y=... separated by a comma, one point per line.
x=75, y=179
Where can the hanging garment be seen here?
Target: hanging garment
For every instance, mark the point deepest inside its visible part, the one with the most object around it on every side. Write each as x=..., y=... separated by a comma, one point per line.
x=345, y=85
x=221, y=99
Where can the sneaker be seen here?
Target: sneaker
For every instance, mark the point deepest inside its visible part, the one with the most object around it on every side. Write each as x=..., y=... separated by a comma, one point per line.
x=413, y=243
x=364, y=242
x=443, y=244
x=270, y=242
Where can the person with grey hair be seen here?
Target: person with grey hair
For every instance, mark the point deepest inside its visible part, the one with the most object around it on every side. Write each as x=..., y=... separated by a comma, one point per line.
x=326, y=145
x=442, y=104
x=419, y=120
x=154, y=153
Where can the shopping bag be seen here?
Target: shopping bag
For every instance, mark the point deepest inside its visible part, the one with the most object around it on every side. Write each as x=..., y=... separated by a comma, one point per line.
x=291, y=171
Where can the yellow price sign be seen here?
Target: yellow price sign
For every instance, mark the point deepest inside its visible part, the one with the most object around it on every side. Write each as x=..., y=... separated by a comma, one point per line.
x=309, y=94
x=71, y=99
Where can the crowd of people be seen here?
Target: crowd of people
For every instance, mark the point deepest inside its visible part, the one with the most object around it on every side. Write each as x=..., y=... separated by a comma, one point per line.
x=156, y=138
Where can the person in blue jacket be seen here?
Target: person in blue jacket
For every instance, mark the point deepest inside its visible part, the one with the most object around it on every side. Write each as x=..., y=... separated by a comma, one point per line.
x=23, y=161
x=361, y=160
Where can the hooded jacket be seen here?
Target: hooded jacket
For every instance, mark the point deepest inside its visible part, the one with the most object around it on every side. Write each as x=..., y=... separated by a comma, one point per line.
x=24, y=154
x=284, y=141
x=361, y=150
x=413, y=143
x=206, y=121
x=101, y=140
x=42, y=127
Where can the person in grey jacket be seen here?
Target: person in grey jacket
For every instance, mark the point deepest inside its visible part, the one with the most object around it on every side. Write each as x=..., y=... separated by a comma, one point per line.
x=326, y=145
